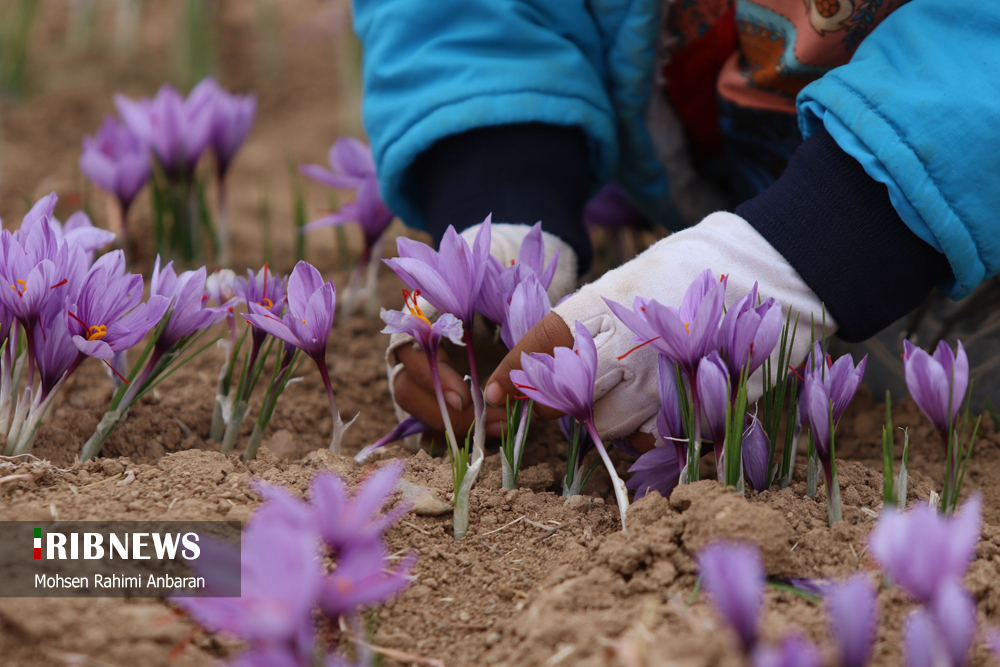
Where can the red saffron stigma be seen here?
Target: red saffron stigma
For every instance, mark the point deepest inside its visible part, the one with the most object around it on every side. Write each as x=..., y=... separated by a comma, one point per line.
x=637, y=347
x=120, y=376
x=829, y=361
x=60, y=283
x=524, y=386
x=70, y=313
x=792, y=369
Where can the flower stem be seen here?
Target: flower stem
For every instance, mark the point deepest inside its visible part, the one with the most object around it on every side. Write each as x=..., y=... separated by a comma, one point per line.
x=621, y=494
x=339, y=427
x=694, y=453
x=223, y=223
x=442, y=406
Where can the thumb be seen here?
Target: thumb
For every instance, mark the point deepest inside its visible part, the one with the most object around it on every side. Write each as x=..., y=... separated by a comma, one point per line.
x=550, y=332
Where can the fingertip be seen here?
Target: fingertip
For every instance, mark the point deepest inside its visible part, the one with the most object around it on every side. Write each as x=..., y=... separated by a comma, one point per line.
x=494, y=393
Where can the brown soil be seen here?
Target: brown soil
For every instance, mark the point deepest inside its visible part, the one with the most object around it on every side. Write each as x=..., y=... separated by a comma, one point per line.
x=540, y=580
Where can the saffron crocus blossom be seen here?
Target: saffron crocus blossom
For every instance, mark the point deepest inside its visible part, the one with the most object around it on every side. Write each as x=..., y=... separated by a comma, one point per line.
x=500, y=281
x=853, y=616
x=528, y=305
x=922, y=550
x=428, y=336
x=108, y=315
x=232, y=118
x=78, y=230
x=684, y=334
x=954, y=611
x=794, y=651
x=401, y=431
x=828, y=391
x=344, y=519
x=733, y=575
x=281, y=578
x=924, y=646
x=749, y=333
x=307, y=324
x=450, y=280
x=937, y=383
x=755, y=450
x=188, y=311
x=117, y=161
x=670, y=419
x=565, y=382
x=352, y=168
x=656, y=470
x=712, y=387
x=176, y=129
x=265, y=289
x=361, y=579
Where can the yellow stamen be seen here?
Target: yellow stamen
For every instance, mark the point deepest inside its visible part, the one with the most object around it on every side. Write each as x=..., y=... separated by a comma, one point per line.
x=267, y=303
x=414, y=308
x=687, y=328
x=22, y=283
x=303, y=321
x=97, y=332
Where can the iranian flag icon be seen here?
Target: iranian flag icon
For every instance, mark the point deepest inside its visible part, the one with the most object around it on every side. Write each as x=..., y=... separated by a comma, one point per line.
x=38, y=543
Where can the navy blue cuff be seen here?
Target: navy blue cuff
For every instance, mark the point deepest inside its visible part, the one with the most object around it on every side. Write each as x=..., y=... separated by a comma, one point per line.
x=519, y=173
x=837, y=228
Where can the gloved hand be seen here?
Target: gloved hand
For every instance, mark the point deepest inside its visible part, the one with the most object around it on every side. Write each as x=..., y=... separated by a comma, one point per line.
x=626, y=396
x=406, y=365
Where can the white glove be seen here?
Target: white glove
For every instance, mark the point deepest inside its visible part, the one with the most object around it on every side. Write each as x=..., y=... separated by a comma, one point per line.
x=626, y=390
x=505, y=242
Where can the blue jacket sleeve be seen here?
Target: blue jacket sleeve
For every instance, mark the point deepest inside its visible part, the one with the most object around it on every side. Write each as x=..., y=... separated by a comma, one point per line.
x=434, y=69
x=919, y=107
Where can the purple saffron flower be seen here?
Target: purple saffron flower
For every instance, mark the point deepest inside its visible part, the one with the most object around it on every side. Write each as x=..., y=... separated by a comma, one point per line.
x=528, y=305
x=346, y=521
x=352, y=168
x=500, y=282
x=684, y=334
x=307, y=324
x=565, y=382
x=853, y=619
x=794, y=651
x=265, y=289
x=117, y=161
x=177, y=130
x=733, y=575
x=921, y=550
x=954, y=610
x=232, y=117
x=611, y=208
x=222, y=286
x=361, y=579
x=712, y=385
x=451, y=279
x=55, y=354
x=923, y=642
x=755, y=451
x=670, y=419
x=309, y=319
x=108, y=315
x=828, y=391
x=187, y=297
x=749, y=333
x=657, y=470
x=79, y=230
x=416, y=324
x=402, y=430
x=937, y=384
x=281, y=584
